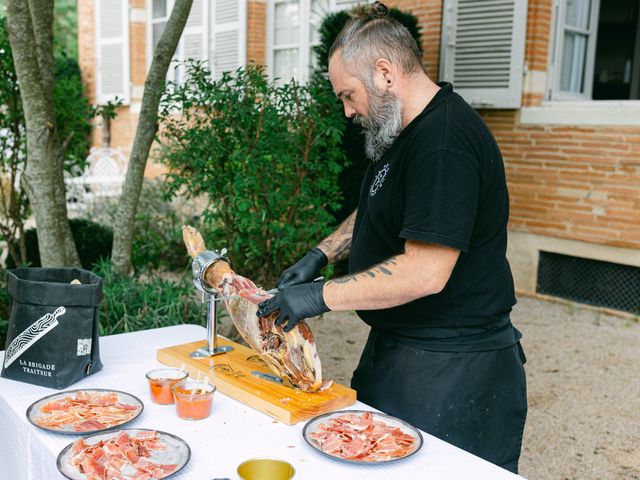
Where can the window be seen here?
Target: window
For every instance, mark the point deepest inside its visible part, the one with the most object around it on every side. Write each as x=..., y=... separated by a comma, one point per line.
x=292, y=33
x=160, y=11
x=159, y=17
x=215, y=31
x=112, y=51
x=597, y=50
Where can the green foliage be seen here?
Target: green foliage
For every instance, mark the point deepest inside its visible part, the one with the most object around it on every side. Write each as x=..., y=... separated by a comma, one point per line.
x=5, y=308
x=265, y=156
x=14, y=205
x=93, y=242
x=65, y=27
x=108, y=110
x=131, y=303
x=73, y=112
x=157, y=242
x=157, y=230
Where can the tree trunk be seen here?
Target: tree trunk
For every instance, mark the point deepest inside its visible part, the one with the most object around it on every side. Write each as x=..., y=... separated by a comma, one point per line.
x=30, y=25
x=147, y=127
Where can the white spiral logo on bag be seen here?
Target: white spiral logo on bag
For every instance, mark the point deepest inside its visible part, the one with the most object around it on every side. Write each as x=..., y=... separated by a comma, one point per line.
x=31, y=335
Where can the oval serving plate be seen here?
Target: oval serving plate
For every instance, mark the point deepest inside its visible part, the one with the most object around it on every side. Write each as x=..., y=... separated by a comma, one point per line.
x=35, y=412
x=313, y=424
x=175, y=452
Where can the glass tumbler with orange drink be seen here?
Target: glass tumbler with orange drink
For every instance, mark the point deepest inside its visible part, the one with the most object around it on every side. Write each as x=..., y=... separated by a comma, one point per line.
x=160, y=382
x=193, y=399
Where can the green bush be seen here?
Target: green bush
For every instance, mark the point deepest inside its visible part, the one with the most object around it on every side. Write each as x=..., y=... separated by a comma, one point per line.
x=73, y=112
x=5, y=308
x=93, y=242
x=157, y=242
x=132, y=303
x=265, y=156
x=157, y=233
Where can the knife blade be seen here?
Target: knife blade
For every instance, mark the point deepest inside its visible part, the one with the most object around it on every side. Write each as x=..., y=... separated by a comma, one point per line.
x=235, y=295
x=273, y=378
x=273, y=291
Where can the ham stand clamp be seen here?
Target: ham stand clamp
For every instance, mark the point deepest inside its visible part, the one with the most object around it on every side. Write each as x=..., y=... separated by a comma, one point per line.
x=199, y=266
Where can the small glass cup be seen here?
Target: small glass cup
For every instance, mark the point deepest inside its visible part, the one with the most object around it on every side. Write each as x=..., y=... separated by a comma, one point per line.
x=160, y=382
x=193, y=403
x=263, y=468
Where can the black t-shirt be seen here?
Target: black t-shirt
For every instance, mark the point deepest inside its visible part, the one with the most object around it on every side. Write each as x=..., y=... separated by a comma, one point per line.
x=443, y=182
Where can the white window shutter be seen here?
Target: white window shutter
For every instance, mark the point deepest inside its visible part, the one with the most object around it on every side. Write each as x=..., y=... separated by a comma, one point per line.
x=337, y=5
x=194, y=40
x=228, y=36
x=482, y=50
x=112, y=50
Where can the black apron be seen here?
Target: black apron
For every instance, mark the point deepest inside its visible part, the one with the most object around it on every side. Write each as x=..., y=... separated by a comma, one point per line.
x=475, y=400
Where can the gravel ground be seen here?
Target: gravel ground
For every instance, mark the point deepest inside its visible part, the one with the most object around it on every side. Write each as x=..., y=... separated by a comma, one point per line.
x=583, y=386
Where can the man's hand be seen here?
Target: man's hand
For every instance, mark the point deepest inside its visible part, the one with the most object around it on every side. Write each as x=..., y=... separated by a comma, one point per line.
x=305, y=270
x=295, y=303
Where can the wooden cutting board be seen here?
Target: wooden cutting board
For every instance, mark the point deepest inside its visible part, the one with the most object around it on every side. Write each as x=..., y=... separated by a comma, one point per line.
x=231, y=374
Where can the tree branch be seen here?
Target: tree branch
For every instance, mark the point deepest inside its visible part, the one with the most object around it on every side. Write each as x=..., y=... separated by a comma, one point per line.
x=145, y=134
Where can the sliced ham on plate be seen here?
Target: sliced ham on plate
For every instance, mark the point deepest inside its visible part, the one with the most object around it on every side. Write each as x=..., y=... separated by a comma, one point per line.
x=363, y=436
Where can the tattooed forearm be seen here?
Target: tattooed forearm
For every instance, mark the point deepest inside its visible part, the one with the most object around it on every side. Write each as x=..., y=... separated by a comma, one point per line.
x=337, y=246
x=345, y=279
x=381, y=268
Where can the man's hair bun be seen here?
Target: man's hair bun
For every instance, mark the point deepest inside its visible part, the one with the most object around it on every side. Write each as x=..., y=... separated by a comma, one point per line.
x=370, y=11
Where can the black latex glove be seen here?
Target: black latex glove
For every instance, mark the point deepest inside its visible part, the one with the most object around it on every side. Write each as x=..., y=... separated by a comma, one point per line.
x=303, y=271
x=295, y=303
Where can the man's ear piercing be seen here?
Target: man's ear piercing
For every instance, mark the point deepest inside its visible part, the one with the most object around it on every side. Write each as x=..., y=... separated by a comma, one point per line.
x=389, y=81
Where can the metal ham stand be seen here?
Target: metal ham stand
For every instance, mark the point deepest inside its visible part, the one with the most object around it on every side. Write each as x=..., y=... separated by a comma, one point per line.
x=199, y=266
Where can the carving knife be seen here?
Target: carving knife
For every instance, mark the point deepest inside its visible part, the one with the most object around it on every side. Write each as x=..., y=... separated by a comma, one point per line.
x=273, y=291
x=272, y=378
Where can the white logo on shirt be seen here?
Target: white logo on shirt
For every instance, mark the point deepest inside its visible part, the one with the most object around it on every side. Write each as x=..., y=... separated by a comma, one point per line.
x=379, y=180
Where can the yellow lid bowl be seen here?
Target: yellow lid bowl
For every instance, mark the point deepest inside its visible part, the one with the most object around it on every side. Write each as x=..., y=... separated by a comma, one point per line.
x=265, y=469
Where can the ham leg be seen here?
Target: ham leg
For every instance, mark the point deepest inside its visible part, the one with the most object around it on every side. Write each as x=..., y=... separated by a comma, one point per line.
x=291, y=355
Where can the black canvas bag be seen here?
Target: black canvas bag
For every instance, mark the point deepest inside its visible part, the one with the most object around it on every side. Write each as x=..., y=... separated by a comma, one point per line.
x=52, y=338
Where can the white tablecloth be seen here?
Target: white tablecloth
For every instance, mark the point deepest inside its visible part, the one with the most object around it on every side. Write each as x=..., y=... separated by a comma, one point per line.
x=233, y=433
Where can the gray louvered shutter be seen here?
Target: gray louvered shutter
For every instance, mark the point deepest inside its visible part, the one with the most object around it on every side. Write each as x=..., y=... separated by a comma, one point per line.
x=112, y=50
x=482, y=50
x=227, y=37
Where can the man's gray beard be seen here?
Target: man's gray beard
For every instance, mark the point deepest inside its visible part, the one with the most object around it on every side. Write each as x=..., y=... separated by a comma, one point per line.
x=383, y=123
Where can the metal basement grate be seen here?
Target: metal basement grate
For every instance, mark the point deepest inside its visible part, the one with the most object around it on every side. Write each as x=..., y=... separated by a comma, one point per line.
x=590, y=281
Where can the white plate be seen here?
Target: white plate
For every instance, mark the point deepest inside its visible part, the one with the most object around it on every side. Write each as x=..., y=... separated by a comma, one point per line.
x=177, y=451
x=35, y=409
x=313, y=424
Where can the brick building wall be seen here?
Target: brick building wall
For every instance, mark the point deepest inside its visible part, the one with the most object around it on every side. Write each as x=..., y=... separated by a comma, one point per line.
x=256, y=31
x=429, y=14
x=574, y=189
